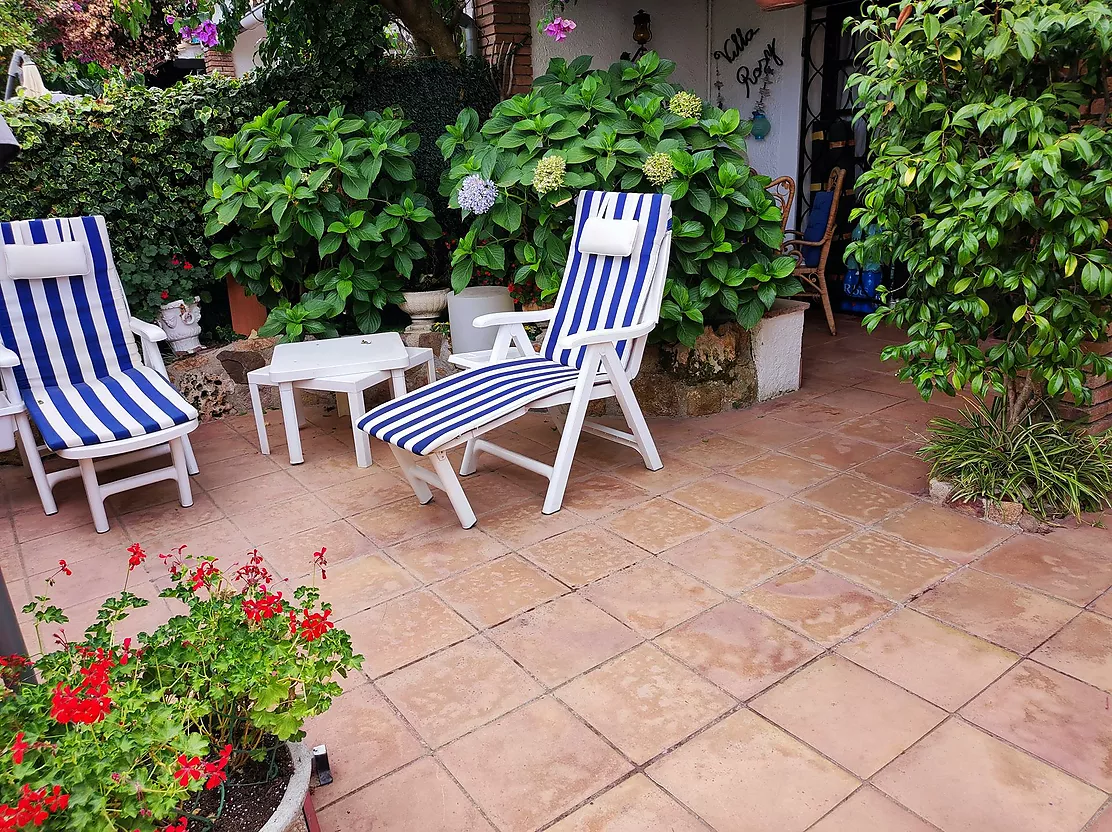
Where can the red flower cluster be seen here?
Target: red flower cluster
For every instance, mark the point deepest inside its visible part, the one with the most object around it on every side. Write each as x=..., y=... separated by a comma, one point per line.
x=266, y=607
x=312, y=626
x=321, y=562
x=254, y=573
x=33, y=808
x=18, y=748
x=174, y=560
x=203, y=574
x=194, y=768
x=137, y=556
x=181, y=826
x=63, y=569
x=11, y=669
x=88, y=703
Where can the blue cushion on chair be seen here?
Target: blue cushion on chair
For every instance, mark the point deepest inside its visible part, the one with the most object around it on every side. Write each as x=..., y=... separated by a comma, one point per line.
x=816, y=226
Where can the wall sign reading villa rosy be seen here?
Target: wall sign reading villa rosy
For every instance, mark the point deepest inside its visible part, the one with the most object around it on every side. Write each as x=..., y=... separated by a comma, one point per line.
x=749, y=76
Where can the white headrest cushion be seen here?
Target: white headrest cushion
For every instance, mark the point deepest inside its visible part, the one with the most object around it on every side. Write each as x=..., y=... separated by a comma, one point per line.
x=610, y=237
x=46, y=260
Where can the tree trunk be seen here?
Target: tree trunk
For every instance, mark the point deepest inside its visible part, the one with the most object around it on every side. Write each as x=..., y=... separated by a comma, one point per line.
x=427, y=27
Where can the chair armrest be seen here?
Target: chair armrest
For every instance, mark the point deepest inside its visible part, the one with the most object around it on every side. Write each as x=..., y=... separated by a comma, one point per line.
x=146, y=331
x=8, y=358
x=604, y=336
x=505, y=318
x=814, y=243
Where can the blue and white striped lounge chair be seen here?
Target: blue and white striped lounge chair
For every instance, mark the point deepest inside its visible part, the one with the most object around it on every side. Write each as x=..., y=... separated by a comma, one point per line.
x=69, y=353
x=607, y=305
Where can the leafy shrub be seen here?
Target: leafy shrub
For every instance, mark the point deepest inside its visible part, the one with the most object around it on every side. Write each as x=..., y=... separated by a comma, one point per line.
x=990, y=183
x=615, y=130
x=1052, y=468
x=122, y=736
x=137, y=157
x=319, y=211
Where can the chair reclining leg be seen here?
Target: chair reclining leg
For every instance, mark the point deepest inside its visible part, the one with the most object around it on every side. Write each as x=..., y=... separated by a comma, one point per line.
x=623, y=392
x=406, y=461
x=33, y=463
x=443, y=467
x=569, y=436
x=470, y=455
x=190, y=459
x=93, y=495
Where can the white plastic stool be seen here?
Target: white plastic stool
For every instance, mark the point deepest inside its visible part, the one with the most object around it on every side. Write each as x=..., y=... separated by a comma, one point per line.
x=354, y=385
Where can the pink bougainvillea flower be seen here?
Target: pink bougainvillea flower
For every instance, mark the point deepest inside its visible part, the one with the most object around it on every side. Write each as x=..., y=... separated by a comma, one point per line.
x=559, y=28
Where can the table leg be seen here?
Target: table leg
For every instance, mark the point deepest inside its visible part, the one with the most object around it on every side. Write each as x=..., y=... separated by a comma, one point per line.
x=260, y=424
x=299, y=408
x=289, y=418
x=430, y=371
x=397, y=383
x=362, y=438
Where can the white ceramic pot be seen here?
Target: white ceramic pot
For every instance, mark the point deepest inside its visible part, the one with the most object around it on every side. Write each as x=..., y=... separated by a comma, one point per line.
x=424, y=308
x=778, y=349
x=181, y=321
x=287, y=817
x=468, y=305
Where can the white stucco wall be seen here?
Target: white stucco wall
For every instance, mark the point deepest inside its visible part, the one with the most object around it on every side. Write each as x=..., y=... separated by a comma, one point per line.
x=244, y=52
x=604, y=29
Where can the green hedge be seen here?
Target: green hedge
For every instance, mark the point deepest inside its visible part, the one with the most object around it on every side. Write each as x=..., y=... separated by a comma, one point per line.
x=137, y=157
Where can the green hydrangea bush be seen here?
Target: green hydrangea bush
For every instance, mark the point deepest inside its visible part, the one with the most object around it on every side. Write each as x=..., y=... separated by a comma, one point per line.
x=625, y=128
x=322, y=218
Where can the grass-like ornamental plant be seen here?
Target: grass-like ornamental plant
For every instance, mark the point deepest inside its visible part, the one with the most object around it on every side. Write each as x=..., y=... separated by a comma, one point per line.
x=1050, y=467
x=991, y=182
x=622, y=129
x=119, y=736
x=318, y=215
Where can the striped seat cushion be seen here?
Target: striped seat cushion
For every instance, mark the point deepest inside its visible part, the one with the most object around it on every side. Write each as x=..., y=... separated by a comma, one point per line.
x=433, y=416
x=133, y=403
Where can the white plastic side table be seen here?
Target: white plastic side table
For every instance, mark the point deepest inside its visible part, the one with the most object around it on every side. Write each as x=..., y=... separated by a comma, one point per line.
x=352, y=384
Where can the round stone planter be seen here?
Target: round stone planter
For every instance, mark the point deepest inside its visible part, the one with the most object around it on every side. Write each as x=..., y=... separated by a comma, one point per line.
x=288, y=816
x=471, y=303
x=181, y=321
x=424, y=308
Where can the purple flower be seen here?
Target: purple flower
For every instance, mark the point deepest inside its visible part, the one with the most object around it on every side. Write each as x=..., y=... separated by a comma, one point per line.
x=559, y=28
x=476, y=194
x=76, y=6
x=205, y=34
x=169, y=20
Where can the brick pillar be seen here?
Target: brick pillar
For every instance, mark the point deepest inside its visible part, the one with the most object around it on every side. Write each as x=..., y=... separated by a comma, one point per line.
x=504, y=23
x=217, y=60
x=1098, y=415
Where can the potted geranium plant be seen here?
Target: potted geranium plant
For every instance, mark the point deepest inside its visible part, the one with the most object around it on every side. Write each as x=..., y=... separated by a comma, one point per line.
x=174, y=730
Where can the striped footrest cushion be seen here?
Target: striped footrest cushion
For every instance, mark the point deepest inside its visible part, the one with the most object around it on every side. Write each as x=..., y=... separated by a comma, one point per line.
x=431, y=417
x=133, y=403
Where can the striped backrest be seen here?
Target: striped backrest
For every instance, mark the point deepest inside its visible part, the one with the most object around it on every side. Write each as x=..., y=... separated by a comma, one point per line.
x=65, y=329
x=603, y=292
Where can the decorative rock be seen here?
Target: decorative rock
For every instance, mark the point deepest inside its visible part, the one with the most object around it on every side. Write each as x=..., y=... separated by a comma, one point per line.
x=238, y=363
x=1004, y=512
x=940, y=490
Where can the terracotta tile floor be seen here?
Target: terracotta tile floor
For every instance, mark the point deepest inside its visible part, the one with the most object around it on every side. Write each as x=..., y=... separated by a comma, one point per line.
x=776, y=633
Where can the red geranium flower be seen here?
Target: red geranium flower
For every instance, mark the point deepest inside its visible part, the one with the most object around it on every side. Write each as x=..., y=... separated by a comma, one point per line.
x=321, y=562
x=187, y=265
x=189, y=768
x=165, y=295
x=215, y=771
x=313, y=625
x=181, y=826
x=137, y=556
x=266, y=607
x=18, y=748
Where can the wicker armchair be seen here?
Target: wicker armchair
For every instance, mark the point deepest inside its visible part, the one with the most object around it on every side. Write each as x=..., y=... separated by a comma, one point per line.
x=782, y=191
x=811, y=248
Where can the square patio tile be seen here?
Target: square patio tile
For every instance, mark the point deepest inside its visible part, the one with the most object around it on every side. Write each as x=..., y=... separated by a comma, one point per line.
x=360, y=583
x=598, y=495
x=458, y=689
x=867, y=810
x=1103, y=604
x=376, y=489
x=835, y=450
x=728, y=560
x=634, y=805
x=676, y=472
x=493, y=492
x=293, y=555
x=446, y=551
x=402, y=630
x=1103, y=823
x=651, y=596
x=495, y=591
x=746, y=774
x=817, y=603
x=884, y=564
x=716, y=452
x=583, y=555
x=532, y=765
x=389, y=805
x=1083, y=648
x=858, y=400
x=857, y=719
x=769, y=432
x=738, y=649
x=723, y=497
x=523, y=524
x=1054, y=717
x=995, y=609
x=263, y=491
x=76, y=545
x=783, y=474
x=169, y=518
x=284, y=519
x=658, y=525
x=365, y=741
x=810, y=413
x=898, y=470
x=945, y=532
x=1032, y=560
x=960, y=778
x=644, y=702
x=798, y=529
x=392, y=523
x=876, y=428
x=319, y=472
x=563, y=638
x=943, y=665
x=856, y=498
